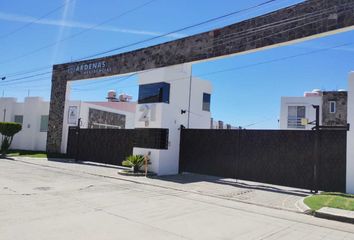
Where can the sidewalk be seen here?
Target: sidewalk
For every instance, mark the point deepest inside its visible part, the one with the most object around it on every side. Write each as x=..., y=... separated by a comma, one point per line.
x=336, y=214
x=260, y=194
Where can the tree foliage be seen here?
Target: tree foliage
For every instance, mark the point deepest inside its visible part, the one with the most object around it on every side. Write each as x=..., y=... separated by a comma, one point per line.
x=8, y=131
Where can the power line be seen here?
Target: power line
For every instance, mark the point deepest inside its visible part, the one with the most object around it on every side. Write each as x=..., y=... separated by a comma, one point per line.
x=78, y=33
x=179, y=30
x=35, y=20
x=275, y=24
x=262, y=28
x=145, y=40
x=248, y=66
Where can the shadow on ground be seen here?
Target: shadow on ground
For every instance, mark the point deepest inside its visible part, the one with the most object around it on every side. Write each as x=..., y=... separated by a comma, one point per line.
x=193, y=178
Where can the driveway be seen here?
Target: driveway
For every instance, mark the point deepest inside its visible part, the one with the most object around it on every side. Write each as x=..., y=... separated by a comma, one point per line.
x=55, y=200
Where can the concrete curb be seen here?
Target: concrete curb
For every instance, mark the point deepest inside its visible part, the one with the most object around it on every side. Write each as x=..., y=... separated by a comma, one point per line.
x=302, y=207
x=326, y=213
x=335, y=214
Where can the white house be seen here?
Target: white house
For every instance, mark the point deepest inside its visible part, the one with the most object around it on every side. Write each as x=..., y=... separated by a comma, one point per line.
x=170, y=98
x=332, y=105
x=33, y=115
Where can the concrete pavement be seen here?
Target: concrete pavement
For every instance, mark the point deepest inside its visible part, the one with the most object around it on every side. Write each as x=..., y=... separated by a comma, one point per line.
x=53, y=200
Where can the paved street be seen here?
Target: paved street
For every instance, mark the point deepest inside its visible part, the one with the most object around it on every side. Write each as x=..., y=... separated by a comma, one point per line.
x=54, y=200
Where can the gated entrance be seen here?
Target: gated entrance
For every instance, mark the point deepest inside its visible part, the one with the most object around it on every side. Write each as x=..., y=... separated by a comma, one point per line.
x=306, y=20
x=271, y=156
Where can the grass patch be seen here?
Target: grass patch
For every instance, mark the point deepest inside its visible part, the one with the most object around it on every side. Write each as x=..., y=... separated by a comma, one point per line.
x=333, y=200
x=34, y=154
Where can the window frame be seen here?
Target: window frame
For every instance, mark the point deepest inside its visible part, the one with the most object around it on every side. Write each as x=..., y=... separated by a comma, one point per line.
x=163, y=95
x=17, y=121
x=334, y=106
x=296, y=119
x=206, y=105
x=41, y=129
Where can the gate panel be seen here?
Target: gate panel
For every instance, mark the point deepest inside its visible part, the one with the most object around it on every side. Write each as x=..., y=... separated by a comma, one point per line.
x=280, y=157
x=105, y=145
x=333, y=164
x=277, y=157
x=112, y=146
x=203, y=151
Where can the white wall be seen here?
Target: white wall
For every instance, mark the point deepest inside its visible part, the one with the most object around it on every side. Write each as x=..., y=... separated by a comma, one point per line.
x=299, y=101
x=350, y=136
x=30, y=137
x=83, y=113
x=169, y=116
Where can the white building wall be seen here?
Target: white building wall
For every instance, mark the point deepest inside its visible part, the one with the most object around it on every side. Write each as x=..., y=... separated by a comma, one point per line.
x=30, y=137
x=163, y=115
x=299, y=101
x=83, y=113
x=350, y=136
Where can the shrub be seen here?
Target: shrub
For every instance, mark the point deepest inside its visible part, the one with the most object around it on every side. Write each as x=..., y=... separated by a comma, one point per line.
x=8, y=131
x=134, y=161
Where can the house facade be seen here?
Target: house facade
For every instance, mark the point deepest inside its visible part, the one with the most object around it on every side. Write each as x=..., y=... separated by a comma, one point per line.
x=33, y=113
x=333, y=109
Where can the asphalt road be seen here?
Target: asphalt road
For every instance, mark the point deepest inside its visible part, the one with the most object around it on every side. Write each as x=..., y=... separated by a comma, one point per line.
x=41, y=202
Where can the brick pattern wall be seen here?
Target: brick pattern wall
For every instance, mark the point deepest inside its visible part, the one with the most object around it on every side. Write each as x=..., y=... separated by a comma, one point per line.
x=339, y=118
x=103, y=117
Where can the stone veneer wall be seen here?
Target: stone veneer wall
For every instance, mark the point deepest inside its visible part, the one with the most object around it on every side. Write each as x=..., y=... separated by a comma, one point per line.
x=99, y=116
x=339, y=118
x=305, y=20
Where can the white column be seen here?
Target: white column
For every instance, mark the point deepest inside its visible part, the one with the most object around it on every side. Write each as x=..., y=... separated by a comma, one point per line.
x=350, y=137
x=168, y=115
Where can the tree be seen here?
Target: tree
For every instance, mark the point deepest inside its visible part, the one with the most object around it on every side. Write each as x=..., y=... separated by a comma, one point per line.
x=8, y=131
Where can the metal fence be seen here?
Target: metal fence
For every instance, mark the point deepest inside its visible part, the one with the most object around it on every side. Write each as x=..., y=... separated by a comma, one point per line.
x=112, y=146
x=278, y=157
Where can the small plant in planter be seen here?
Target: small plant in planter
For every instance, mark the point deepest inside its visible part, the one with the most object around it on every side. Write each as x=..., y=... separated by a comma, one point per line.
x=135, y=162
x=8, y=131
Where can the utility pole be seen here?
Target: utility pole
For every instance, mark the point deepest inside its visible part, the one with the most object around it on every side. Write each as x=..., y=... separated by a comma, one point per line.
x=316, y=149
x=189, y=97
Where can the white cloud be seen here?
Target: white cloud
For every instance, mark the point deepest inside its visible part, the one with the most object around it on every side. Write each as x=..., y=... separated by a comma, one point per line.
x=74, y=24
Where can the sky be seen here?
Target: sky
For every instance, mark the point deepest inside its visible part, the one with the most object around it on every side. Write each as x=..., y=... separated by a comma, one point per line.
x=36, y=34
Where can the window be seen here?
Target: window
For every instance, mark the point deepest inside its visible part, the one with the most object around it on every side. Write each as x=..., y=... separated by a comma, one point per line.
x=18, y=119
x=44, y=123
x=206, y=102
x=154, y=93
x=295, y=114
x=332, y=107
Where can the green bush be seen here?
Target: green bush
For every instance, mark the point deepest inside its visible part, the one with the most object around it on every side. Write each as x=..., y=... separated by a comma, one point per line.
x=134, y=161
x=8, y=131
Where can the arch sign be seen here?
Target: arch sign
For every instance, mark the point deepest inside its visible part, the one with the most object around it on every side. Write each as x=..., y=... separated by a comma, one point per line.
x=303, y=21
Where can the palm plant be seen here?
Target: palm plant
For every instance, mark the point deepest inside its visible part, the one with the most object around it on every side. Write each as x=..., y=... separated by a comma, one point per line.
x=134, y=161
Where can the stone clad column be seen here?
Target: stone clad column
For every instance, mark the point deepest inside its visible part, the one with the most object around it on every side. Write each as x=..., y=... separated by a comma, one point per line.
x=56, y=113
x=350, y=137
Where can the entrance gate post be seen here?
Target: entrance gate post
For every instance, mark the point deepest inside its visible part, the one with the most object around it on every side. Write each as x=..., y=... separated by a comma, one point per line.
x=350, y=136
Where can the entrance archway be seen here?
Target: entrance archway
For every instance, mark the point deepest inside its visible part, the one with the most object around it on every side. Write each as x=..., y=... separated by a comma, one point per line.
x=307, y=20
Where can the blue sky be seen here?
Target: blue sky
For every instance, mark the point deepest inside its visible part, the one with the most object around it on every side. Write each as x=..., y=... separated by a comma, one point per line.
x=248, y=95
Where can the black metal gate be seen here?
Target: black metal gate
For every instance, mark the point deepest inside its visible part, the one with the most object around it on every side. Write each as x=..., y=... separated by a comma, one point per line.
x=112, y=146
x=278, y=157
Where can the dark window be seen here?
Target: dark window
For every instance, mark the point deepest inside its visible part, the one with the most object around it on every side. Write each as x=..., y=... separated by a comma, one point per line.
x=332, y=106
x=154, y=93
x=44, y=123
x=206, y=102
x=18, y=119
